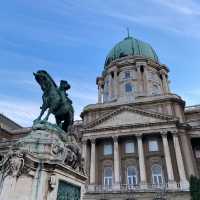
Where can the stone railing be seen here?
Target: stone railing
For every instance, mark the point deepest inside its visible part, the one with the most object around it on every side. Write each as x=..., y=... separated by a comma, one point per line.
x=192, y=108
x=128, y=188
x=137, y=100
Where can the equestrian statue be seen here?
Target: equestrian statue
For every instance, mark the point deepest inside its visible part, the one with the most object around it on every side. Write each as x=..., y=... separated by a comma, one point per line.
x=56, y=100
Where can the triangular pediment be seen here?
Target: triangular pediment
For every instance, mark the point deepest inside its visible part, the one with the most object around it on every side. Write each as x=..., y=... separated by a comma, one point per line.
x=128, y=116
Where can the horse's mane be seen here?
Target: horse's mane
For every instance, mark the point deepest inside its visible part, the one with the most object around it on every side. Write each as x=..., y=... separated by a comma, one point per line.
x=43, y=71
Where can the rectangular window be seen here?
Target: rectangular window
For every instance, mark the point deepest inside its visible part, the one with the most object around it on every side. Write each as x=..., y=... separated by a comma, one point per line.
x=157, y=179
x=108, y=177
x=127, y=75
x=107, y=149
x=197, y=153
x=107, y=181
x=153, y=145
x=128, y=87
x=129, y=147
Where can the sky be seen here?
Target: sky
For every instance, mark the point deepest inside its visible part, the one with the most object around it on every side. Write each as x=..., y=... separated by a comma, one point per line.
x=70, y=40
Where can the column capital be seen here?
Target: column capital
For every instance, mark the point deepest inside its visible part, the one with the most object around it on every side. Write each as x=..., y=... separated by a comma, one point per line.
x=93, y=140
x=115, y=69
x=163, y=133
x=138, y=63
x=174, y=132
x=163, y=72
x=115, y=138
x=84, y=141
x=99, y=80
x=139, y=135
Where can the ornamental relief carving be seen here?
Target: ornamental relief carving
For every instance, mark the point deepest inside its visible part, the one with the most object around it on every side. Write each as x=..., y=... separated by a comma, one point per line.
x=16, y=164
x=12, y=164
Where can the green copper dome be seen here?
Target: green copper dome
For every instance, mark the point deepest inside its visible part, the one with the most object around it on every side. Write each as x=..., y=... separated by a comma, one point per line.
x=131, y=46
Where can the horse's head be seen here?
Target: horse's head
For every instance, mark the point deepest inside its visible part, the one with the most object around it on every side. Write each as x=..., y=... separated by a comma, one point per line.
x=44, y=79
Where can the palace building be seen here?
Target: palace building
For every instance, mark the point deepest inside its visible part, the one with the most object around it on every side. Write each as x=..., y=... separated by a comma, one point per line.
x=139, y=141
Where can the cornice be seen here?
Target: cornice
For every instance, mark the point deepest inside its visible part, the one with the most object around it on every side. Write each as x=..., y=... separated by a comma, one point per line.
x=31, y=162
x=129, y=126
x=150, y=100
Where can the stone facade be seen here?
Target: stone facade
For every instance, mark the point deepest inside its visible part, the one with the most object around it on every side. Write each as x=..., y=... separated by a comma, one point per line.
x=139, y=139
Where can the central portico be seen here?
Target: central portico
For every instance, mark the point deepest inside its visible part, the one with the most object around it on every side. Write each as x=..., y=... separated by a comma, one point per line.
x=119, y=136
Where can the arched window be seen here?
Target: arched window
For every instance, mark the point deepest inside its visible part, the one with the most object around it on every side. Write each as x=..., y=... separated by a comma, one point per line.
x=132, y=176
x=108, y=176
x=128, y=87
x=157, y=177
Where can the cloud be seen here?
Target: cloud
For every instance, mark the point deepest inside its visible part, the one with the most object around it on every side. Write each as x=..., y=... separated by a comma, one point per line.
x=184, y=7
x=21, y=111
x=177, y=16
x=191, y=96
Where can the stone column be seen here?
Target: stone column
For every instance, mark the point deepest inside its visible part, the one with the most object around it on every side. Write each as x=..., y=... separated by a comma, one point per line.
x=84, y=152
x=140, y=91
x=99, y=94
x=109, y=86
x=164, y=81
x=143, y=178
x=170, y=174
x=147, y=86
x=40, y=183
x=183, y=180
x=116, y=84
x=92, y=162
x=116, y=163
x=179, y=112
x=42, y=187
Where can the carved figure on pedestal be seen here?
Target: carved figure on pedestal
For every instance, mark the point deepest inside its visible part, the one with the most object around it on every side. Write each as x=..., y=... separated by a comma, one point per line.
x=11, y=164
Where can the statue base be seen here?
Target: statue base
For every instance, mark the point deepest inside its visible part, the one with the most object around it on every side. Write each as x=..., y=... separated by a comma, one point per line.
x=42, y=166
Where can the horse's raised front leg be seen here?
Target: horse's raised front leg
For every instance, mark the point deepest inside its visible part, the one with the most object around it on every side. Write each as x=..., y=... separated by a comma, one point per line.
x=40, y=116
x=47, y=116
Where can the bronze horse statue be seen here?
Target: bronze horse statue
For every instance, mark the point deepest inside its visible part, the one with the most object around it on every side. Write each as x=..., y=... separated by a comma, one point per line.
x=56, y=100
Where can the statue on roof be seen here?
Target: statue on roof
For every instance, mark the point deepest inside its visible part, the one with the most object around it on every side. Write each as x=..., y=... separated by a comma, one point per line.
x=55, y=100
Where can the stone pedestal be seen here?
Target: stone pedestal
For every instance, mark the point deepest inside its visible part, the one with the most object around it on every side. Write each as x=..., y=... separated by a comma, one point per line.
x=184, y=185
x=116, y=187
x=44, y=165
x=172, y=185
x=143, y=185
